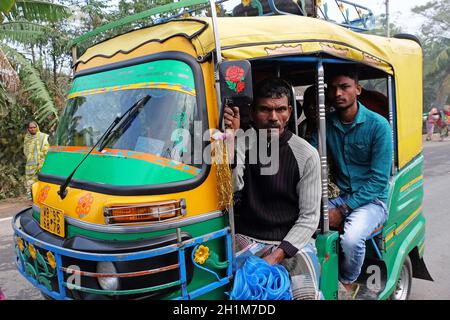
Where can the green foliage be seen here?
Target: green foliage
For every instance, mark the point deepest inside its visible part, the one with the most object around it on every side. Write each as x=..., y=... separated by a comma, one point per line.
x=38, y=25
x=6, y=5
x=38, y=11
x=435, y=37
x=23, y=32
x=34, y=87
x=12, y=160
x=3, y=101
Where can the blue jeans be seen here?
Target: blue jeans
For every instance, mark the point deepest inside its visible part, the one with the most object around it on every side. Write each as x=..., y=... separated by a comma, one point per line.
x=358, y=227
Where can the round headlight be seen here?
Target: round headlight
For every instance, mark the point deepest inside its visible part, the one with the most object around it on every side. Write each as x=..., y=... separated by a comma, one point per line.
x=107, y=283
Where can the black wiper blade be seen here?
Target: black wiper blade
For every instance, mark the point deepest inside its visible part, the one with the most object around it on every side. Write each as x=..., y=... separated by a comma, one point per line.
x=104, y=139
x=123, y=121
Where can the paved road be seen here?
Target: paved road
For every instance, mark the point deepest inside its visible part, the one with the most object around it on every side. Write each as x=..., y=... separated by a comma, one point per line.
x=13, y=285
x=437, y=253
x=436, y=204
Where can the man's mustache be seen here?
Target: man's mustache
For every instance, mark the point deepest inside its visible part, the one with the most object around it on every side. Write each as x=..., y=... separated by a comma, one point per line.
x=273, y=125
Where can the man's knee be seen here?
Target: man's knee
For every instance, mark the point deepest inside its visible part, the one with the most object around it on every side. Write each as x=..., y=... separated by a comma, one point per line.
x=352, y=240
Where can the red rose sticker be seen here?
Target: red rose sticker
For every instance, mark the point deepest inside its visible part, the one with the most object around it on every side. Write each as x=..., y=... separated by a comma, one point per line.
x=234, y=77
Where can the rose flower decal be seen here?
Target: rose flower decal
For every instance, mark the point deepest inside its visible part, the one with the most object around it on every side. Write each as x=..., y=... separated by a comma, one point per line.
x=234, y=77
x=84, y=205
x=43, y=194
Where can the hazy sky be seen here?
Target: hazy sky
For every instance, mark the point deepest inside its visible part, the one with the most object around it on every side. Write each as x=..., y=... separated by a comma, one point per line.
x=400, y=12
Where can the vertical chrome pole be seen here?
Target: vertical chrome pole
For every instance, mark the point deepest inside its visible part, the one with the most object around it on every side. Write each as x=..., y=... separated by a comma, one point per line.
x=219, y=103
x=322, y=135
x=294, y=105
x=391, y=119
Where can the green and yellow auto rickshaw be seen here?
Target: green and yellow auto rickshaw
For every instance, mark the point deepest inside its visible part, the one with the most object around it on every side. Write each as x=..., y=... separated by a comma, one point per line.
x=127, y=208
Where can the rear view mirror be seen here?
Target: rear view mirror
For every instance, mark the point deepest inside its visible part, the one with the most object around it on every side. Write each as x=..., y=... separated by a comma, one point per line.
x=236, y=83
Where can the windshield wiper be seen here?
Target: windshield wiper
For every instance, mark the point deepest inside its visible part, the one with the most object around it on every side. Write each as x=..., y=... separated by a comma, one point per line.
x=112, y=130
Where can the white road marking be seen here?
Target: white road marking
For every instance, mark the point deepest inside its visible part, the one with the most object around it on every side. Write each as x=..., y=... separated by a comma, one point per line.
x=6, y=219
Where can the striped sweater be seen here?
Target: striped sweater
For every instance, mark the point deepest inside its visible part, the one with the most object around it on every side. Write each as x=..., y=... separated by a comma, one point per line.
x=283, y=207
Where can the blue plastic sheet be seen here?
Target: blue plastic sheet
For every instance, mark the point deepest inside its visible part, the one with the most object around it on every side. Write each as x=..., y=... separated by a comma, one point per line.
x=257, y=280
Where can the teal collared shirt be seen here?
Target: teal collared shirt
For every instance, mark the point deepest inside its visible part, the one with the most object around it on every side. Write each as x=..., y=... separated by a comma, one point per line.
x=362, y=156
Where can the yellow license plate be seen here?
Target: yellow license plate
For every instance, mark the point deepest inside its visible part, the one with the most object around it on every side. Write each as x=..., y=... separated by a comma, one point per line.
x=52, y=220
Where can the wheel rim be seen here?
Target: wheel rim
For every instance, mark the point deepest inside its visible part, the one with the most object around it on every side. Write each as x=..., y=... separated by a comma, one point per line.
x=403, y=285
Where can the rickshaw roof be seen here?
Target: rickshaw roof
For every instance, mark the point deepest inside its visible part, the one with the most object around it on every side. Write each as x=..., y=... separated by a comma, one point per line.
x=257, y=37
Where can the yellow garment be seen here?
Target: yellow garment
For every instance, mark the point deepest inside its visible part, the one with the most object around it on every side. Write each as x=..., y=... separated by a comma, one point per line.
x=35, y=148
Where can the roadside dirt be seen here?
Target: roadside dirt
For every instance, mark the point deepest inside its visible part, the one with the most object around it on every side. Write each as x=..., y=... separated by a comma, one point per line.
x=11, y=206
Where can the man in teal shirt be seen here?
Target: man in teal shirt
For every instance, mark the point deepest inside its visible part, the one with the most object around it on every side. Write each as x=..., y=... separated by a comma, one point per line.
x=360, y=143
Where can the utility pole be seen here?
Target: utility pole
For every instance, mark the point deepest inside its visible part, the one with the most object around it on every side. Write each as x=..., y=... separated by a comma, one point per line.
x=388, y=34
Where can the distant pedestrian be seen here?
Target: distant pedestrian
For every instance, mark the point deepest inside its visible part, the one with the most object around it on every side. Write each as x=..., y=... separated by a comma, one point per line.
x=445, y=120
x=433, y=117
x=2, y=296
x=35, y=148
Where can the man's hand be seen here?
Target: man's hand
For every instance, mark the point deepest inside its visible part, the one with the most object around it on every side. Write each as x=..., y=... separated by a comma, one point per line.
x=275, y=257
x=232, y=118
x=335, y=217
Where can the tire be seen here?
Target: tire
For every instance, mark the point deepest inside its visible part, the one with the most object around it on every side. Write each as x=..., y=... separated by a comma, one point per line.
x=404, y=282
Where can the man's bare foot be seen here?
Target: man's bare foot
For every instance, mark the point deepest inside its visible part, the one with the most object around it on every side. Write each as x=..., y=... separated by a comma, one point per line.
x=348, y=287
x=352, y=289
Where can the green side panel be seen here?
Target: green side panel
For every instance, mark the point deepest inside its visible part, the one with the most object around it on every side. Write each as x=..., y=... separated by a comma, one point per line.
x=327, y=252
x=156, y=71
x=111, y=170
x=405, y=219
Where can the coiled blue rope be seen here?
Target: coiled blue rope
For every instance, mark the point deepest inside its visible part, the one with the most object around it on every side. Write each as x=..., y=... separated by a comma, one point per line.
x=257, y=280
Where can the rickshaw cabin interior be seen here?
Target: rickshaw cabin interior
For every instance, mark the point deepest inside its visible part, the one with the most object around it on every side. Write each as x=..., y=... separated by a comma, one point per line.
x=300, y=72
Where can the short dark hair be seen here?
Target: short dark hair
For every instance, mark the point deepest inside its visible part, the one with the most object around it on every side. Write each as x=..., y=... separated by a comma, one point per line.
x=272, y=88
x=343, y=70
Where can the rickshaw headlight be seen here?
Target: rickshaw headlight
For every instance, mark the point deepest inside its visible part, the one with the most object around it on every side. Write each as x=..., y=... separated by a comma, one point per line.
x=148, y=212
x=107, y=283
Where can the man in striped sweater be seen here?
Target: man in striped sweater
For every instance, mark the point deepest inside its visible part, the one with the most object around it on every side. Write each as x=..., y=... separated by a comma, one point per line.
x=281, y=209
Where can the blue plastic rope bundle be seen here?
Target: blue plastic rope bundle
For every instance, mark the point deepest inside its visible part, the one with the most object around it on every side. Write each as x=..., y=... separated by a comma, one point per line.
x=257, y=280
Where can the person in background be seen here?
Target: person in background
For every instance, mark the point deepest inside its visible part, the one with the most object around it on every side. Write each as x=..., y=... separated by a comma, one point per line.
x=308, y=127
x=35, y=148
x=443, y=122
x=309, y=124
x=433, y=117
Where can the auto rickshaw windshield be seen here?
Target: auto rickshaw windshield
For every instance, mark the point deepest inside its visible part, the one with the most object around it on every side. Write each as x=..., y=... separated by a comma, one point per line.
x=165, y=125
